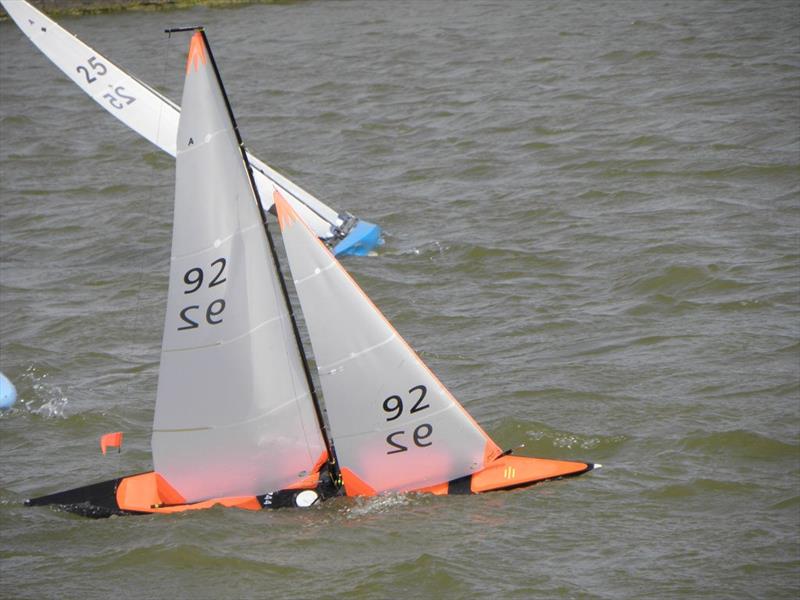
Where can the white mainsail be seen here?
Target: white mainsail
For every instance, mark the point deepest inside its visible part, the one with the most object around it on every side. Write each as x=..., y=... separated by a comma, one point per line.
x=146, y=111
x=234, y=414
x=394, y=425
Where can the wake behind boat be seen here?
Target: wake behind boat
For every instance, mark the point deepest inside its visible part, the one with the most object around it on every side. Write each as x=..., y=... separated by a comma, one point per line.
x=155, y=117
x=230, y=334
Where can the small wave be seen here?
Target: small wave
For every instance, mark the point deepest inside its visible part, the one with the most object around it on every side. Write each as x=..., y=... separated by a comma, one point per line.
x=741, y=443
x=376, y=504
x=620, y=56
x=678, y=278
x=571, y=441
x=16, y=121
x=431, y=250
x=680, y=491
x=158, y=160
x=748, y=172
x=198, y=557
x=537, y=438
x=425, y=576
x=792, y=503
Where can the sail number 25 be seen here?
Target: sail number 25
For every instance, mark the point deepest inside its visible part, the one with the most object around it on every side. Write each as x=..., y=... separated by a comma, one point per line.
x=118, y=97
x=393, y=406
x=194, y=278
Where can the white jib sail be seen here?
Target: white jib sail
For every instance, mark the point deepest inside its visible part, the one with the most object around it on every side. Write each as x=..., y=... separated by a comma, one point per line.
x=394, y=424
x=234, y=415
x=143, y=109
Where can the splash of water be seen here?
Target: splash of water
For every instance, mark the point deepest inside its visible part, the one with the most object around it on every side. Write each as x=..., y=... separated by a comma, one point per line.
x=47, y=399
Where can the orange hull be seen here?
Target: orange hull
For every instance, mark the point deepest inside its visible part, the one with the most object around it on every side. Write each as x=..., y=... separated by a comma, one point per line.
x=519, y=471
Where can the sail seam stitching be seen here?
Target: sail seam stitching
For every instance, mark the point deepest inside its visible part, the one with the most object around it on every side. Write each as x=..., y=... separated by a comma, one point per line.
x=330, y=265
x=230, y=341
x=331, y=367
x=221, y=241
x=237, y=423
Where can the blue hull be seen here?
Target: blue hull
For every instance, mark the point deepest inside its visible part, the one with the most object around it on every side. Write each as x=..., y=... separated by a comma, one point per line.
x=361, y=240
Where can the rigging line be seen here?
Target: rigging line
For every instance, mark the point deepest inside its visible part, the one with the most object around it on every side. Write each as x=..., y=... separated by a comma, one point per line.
x=138, y=312
x=284, y=188
x=332, y=462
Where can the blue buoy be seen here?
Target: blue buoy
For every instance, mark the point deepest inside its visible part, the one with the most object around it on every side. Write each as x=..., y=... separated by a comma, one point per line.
x=8, y=393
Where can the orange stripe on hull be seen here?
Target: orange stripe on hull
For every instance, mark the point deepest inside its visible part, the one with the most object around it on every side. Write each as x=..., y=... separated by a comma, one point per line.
x=515, y=471
x=441, y=489
x=243, y=502
x=353, y=484
x=151, y=493
x=143, y=492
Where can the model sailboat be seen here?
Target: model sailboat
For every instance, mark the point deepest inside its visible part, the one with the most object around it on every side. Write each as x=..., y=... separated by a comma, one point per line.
x=153, y=116
x=237, y=419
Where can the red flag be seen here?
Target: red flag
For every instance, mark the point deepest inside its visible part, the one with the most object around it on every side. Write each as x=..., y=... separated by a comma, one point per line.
x=111, y=440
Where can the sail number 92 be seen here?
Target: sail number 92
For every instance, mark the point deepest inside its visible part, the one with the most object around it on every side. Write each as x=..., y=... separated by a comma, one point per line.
x=393, y=406
x=194, y=278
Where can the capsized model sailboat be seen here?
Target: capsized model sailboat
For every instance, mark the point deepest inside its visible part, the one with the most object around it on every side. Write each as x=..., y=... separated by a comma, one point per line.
x=237, y=419
x=155, y=117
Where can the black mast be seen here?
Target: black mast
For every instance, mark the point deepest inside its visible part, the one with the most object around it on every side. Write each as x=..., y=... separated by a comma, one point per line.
x=332, y=462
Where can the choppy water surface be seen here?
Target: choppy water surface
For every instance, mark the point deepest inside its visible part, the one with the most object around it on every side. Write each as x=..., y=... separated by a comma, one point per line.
x=593, y=219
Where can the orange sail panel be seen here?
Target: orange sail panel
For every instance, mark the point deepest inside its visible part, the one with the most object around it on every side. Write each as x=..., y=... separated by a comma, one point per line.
x=197, y=52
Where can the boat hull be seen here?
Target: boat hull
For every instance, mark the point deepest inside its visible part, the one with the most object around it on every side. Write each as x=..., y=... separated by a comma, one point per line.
x=509, y=472
x=147, y=493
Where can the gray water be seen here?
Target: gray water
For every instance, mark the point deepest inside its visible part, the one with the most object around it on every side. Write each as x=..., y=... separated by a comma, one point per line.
x=592, y=227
